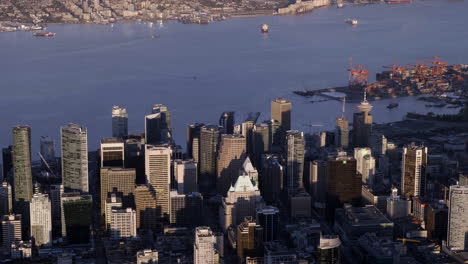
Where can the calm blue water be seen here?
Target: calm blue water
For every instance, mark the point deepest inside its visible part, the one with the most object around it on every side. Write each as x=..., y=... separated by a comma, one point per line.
x=81, y=73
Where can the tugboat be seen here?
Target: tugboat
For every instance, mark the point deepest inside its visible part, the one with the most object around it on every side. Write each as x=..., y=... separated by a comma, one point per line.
x=44, y=34
x=392, y=105
x=264, y=28
x=350, y=21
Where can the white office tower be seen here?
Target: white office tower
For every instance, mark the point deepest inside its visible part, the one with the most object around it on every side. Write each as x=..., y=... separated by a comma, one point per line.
x=147, y=256
x=158, y=175
x=123, y=223
x=365, y=165
x=205, y=249
x=119, y=122
x=458, y=218
x=75, y=157
x=111, y=203
x=397, y=207
x=41, y=220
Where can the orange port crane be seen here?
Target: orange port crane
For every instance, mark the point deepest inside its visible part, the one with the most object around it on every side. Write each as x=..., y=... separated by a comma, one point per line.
x=358, y=76
x=438, y=66
x=397, y=70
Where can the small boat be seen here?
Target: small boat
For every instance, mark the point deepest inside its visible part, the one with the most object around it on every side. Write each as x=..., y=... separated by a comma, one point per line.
x=339, y=5
x=352, y=21
x=264, y=28
x=392, y=105
x=44, y=34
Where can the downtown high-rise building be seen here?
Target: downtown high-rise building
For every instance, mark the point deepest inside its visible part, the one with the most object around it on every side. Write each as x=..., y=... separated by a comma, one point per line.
x=329, y=251
x=268, y=217
x=7, y=161
x=247, y=131
x=342, y=132
x=231, y=155
x=362, y=125
x=271, y=182
x=158, y=127
x=119, y=122
x=226, y=121
x=112, y=152
x=249, y=239
x=457, y=222
x=118, y=181
x=11, y=230
x=260, y=142
x=21, y=155
x=77, y=216
x=209, y=141
x=6, y=198
x=193, y=141
x=281, y=112
x=186, y=176
x=145, y=204
x=75, y=157
x=414, y=158
x=147, y=256
x=186, y=209
x=204, y=248
x=318, y=184
x=294, y=160
x=365, y=165
x=55, y=194
x=111, y=203
x=158, y=175
x=41, y=220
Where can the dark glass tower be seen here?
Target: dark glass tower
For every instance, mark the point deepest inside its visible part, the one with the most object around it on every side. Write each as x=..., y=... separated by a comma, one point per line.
x=226, y=120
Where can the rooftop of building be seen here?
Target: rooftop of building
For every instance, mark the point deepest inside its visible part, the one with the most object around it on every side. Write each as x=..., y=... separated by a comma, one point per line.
x=111, y=140
x=329, y=242
x=362, y=216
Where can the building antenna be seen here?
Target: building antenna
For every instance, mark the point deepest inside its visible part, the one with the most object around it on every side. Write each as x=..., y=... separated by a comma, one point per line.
x=365, y=94
x=343, y=107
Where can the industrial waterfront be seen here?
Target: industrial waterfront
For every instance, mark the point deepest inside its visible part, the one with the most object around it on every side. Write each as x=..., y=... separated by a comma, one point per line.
x=199, y=71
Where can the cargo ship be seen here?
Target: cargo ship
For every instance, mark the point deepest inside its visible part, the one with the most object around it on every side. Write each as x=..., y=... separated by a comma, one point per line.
x=350, y=21
x=393, y=2
x=264, y=28
x=44, y=34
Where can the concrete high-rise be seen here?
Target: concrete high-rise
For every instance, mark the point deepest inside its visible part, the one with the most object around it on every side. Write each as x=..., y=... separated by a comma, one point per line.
x=362, y=124
x=247, y=132
x=329, y=250
x=412, y=179
x=22, y=164
x=186, y=176
x=112, y=152
x=457, y=222
x=55, y=194
x=165, y=116
x=281, y=112
x=41, y=220
x=118, y=181
x=158, y=125
x=231, y=155
x=11, y=230
x=123, y=223
x=111, y=203
x=193, y=141
x=295, y=160
x=7, y=161
x=365, y=165
x=342, y=132
x=145, y=202
x=226, y=120
x=158, y=175
x=249, y=239
x=318, y=184
x=271, y=182
x=204, y=248
x=75, y=157
x=119, y=122
x=6, y=198
x=268, y=218
x=209, y=140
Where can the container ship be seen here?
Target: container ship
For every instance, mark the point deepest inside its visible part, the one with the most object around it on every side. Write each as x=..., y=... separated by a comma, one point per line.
x=393, y=2
x=44, y=34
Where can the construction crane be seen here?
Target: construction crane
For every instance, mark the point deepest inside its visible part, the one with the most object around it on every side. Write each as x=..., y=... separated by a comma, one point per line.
x=404, y=240
x=358, y=76
x=46, y=164
x=397, y=70
x=438, y=66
